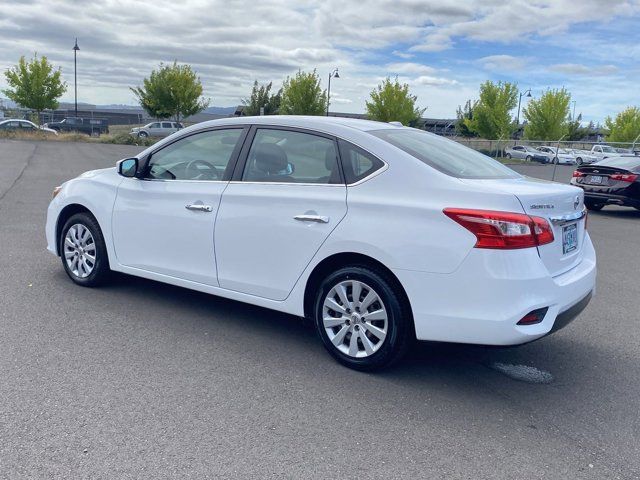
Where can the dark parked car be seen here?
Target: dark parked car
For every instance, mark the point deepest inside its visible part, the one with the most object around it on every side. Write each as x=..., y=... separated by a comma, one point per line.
x=613, y=181
x=90, y=126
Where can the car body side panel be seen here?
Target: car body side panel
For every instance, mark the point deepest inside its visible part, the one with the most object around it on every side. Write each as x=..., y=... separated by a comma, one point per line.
x=96, y=191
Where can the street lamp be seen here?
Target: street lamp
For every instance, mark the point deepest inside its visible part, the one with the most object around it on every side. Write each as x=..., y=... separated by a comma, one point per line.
x=75, y=75
x=333, y=74
x=573, y=117
x=528, y=94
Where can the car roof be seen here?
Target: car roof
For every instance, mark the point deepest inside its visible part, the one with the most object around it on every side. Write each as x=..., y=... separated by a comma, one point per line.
x=301, y=121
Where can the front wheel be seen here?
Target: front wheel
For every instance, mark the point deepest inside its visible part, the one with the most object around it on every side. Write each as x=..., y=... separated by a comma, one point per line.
x=508, y=156
x=83, y=251
x=143, y=134
x=579, y=161
x=529, y=158
x=362, y=318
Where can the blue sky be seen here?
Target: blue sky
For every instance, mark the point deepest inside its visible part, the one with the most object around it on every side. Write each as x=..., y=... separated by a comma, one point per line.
x=444, y=49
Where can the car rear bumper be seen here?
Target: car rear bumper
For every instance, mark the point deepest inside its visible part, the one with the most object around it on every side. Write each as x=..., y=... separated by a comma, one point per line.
x=611, y=199
x=484, y=299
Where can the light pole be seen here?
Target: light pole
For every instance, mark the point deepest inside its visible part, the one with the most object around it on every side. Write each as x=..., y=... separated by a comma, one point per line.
x=528, y=94
x=573, y=117
x=333, y=74
x=75, y=75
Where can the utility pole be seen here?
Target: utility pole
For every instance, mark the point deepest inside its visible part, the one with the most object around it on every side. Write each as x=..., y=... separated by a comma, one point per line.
x=75, y=75
x=333, y=74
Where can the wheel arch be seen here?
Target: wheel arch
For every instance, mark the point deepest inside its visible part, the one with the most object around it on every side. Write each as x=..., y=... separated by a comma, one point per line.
x=339, y=260
x=65, y=214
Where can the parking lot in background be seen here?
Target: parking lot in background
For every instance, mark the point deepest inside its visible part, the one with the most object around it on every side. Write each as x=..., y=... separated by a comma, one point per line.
x=145, y=380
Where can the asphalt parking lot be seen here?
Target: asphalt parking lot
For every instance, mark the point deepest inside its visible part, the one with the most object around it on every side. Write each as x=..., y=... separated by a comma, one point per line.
x=145, y=380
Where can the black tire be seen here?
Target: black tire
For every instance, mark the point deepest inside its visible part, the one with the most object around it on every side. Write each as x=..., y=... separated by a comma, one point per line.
x=594, y=206
x=579, y=161
x=529, y=158
x=400, y=329
x=508, y=156
x=100, y=271
x=143, y=134
x=555, y=160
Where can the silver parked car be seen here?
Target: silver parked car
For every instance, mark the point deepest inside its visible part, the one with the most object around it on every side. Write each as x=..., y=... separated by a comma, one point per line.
x=19, y=125
x=525, y=152
x=156, y=129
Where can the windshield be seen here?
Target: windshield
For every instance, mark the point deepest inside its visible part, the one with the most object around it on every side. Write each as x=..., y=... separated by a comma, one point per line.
x=444, y=155
x=562, y=150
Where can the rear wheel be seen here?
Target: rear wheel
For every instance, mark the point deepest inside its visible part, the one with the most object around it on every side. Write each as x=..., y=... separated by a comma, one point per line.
x=362, y=318
x=594, y=206
x=529, y=158
x=83, y=251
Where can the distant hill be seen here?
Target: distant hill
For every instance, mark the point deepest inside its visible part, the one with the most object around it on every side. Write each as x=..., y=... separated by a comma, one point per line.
x=220, y=110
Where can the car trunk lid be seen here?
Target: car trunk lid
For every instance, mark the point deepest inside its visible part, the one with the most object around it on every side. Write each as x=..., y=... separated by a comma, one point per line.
x=561, y=205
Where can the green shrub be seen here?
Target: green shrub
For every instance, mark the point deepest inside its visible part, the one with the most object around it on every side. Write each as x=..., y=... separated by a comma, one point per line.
x=126, y=139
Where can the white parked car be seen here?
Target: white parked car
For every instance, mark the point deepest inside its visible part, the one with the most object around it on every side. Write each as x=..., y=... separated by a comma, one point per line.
x=558, y=155
x=583, y=156
x=379, y=233
x=156, y=129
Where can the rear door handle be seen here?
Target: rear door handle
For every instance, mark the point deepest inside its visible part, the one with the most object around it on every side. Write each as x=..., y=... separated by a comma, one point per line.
x=199, y=208
x=312, y=218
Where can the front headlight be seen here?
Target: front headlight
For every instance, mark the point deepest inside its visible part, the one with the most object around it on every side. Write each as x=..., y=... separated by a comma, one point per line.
x=56, y=191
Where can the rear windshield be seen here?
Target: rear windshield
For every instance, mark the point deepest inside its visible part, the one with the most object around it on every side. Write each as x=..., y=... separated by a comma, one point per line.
x=626, y=163
x=445, y=155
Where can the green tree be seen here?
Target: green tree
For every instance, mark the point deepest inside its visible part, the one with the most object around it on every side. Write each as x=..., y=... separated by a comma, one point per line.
x=548, y=116
x=35, y=84
x=464, y=116
x=491, y=113
x=172, y=91
x=625, y=127
x=391, y=101
x=261, y=96
x=575, y=130
x=302, y=95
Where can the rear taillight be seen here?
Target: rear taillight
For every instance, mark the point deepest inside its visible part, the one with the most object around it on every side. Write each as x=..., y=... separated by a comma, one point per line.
x=624, y=177
x=577, y=174
x=502, y=230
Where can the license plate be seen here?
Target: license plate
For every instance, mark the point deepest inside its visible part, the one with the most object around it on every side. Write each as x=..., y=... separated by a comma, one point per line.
x=569, y=238
x=595, y=179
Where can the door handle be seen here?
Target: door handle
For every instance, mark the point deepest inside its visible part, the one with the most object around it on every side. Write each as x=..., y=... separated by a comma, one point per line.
x=312, y=218
x=199, y=208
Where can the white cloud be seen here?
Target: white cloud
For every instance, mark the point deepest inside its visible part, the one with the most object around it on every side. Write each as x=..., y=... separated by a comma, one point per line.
x=497, y=63
x=409, y=68
x=579, y=69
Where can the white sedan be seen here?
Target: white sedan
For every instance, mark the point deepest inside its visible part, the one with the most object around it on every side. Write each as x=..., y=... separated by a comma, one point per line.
x=378, y=233
x=558, y=155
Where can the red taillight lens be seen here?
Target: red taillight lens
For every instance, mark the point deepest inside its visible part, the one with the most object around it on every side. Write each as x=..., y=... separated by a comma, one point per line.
x=534, y=317
x=624, y=177
x=577, y=174
x=502, y=230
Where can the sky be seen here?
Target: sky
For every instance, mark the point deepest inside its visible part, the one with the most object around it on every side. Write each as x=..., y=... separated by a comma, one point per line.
x=443, y=49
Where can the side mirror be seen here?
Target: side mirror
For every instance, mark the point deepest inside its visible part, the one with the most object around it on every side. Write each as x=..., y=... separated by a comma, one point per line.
x=128, y=167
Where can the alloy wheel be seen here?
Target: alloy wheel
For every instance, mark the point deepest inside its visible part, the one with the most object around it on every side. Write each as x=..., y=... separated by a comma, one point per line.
x=355, y=318
x=80, y=250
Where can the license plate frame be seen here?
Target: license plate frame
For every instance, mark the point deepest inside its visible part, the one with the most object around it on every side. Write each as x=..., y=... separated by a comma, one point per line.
x=569, y=238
